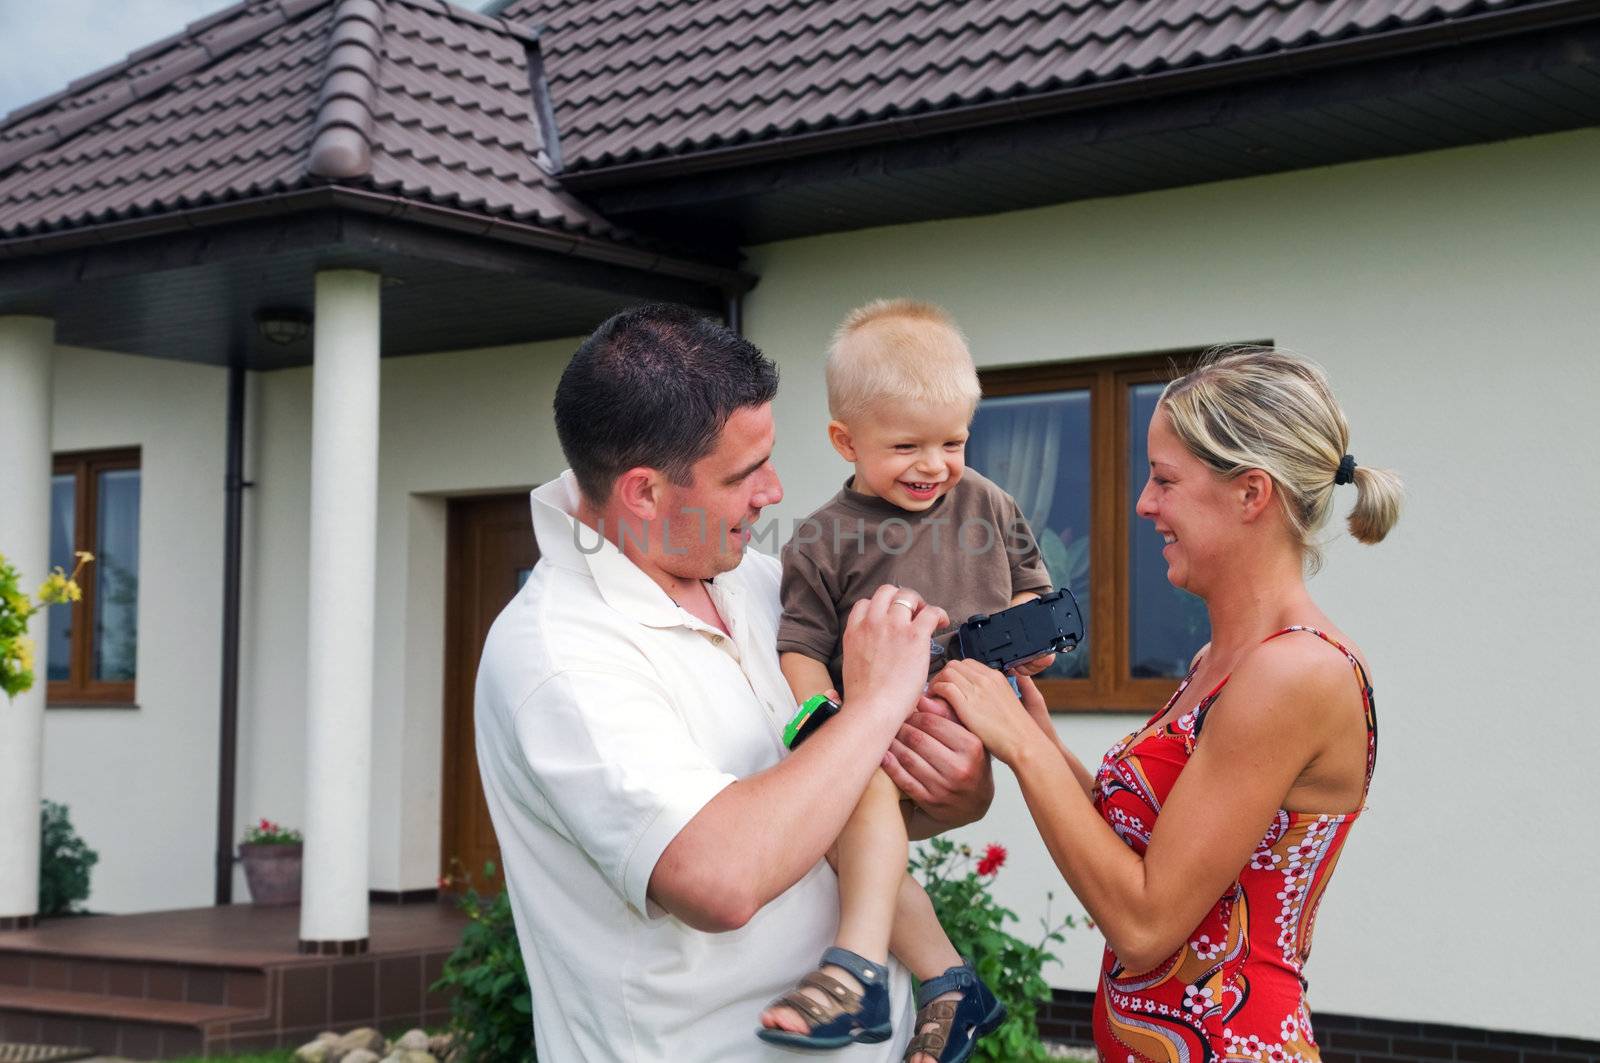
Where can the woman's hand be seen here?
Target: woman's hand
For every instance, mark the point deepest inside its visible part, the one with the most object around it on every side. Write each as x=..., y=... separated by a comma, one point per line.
x=986, y=706
x=886, y=647
x=942, y=767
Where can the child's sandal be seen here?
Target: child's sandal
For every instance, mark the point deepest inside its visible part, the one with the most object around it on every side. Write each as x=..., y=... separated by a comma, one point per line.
x=845, y=1017
x=960, y=1022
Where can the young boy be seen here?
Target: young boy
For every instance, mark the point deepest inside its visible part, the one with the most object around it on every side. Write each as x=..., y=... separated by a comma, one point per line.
x=902, y=390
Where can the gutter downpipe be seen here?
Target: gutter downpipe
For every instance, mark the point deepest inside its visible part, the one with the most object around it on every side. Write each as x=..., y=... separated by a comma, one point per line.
x=227, y=755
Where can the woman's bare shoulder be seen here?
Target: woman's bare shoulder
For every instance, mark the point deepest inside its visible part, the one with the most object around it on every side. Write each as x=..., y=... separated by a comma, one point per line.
x=1280, y=687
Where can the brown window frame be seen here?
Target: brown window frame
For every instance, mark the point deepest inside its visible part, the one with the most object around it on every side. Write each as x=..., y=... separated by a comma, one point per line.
x=78, y=690
x=1109, y=686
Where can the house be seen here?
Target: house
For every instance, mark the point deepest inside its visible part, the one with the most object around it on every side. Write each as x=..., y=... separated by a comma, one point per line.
x=283, y=299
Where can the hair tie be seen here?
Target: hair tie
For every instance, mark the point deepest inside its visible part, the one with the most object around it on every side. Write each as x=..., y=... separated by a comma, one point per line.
x=1347, y=470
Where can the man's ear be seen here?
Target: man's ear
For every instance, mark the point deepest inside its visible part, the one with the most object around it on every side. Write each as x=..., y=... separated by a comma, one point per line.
x=1256, y=492
x=638, y=492
x=839, y=436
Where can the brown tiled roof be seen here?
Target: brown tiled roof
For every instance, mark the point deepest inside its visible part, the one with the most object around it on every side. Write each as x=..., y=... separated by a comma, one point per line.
x=416, y=98
x=636, y=79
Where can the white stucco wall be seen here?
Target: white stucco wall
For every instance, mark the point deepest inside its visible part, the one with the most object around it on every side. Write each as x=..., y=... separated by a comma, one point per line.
x=141, y=784
x=450, y=424
x=1452, y=297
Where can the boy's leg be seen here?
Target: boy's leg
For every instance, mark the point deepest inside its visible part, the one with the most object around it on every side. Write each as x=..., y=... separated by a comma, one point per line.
x=917, y=939
x=870, y=858
x=919, y=942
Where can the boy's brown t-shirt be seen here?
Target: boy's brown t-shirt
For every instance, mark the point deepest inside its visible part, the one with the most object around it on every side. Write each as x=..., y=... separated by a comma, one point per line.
x=969, y=552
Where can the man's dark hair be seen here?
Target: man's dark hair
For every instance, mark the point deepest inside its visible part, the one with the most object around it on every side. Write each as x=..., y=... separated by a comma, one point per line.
x=652, y=387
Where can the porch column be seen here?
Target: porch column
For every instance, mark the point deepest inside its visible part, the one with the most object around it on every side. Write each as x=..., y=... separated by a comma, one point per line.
x=339, y=624
x=27, y=345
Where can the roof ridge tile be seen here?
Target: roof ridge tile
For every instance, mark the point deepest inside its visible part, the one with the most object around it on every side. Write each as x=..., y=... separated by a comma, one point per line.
x=341, y=136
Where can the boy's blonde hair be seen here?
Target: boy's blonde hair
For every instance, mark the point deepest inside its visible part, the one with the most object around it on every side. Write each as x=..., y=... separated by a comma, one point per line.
x=898, y=349
x=1262, y=408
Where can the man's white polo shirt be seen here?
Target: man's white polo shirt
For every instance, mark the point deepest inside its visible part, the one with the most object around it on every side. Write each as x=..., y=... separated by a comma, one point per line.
x=607, y=717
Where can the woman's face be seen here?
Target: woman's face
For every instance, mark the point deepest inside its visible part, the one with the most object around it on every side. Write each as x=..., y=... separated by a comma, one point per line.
x=1192, y=508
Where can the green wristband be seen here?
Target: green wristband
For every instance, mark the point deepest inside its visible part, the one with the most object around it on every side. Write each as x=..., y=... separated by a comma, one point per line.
x=813, y=713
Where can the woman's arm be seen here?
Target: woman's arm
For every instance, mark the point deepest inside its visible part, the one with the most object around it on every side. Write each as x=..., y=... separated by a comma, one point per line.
x=1039, y=712
x=1260, y=735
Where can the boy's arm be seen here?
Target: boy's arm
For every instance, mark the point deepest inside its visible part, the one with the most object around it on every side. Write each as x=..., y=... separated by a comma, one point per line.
x=1028, y=571
x=806, y=676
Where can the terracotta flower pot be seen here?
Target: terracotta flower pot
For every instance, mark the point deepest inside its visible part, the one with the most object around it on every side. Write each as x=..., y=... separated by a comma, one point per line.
x=272, y=871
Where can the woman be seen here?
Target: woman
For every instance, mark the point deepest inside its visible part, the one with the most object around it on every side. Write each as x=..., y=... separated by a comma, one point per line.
x=1203, y=843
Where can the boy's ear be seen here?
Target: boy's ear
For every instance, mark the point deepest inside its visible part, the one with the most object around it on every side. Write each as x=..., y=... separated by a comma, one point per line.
x=839, y=436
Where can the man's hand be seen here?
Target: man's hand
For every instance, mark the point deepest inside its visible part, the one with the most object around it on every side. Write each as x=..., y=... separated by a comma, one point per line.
x=886, y=649
x=942, y=767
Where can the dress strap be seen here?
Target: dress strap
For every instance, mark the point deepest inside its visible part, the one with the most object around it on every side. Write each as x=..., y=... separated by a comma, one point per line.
x=1367, y=706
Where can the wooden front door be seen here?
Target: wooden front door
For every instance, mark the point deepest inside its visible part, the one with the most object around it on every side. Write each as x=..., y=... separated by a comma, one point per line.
x=489, y=555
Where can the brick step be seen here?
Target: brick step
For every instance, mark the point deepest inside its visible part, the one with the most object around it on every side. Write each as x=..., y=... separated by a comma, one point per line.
x=218, y=981
x=132, y=1027
x=187, y=981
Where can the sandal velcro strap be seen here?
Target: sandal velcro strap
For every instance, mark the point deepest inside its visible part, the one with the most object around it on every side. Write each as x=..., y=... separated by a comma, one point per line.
x=955, y=980
x=815, y=1013
x=866, y=972
x=846, y=998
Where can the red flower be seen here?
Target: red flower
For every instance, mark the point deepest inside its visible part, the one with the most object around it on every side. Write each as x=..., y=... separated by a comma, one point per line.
x=994, y=858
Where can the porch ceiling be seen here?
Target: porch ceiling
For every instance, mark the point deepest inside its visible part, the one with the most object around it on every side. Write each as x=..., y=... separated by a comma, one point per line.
x=194, y=295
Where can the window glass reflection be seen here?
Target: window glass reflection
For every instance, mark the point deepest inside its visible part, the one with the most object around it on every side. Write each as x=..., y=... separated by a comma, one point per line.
x=1037, y=448
x=116, y=575
x=1166, y=626
x=63, y=517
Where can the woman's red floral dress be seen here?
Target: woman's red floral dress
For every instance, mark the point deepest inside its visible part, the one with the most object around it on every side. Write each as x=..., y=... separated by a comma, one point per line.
x=1236, y=989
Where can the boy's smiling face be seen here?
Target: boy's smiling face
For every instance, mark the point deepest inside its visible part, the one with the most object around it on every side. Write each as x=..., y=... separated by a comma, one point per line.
x=906, y=453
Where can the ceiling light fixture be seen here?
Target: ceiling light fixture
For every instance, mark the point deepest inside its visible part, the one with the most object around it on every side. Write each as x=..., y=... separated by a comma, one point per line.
x=283, y=327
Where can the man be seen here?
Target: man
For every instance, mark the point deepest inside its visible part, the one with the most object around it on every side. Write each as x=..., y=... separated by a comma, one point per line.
x=664, y=858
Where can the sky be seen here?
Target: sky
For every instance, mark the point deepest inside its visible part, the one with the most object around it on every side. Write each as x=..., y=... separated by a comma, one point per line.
x=44, y=44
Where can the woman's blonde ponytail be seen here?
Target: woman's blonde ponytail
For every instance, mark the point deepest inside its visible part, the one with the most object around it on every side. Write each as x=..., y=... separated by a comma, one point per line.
x=1378, y=495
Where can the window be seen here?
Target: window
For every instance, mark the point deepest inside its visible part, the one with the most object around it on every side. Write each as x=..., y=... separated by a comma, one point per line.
x=1068, y=443
x=94, y=506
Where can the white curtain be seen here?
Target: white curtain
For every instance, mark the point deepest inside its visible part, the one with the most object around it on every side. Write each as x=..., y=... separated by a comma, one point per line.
x=1022, y=453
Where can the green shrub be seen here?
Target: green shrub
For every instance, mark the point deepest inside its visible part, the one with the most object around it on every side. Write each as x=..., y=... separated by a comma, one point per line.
x=64, y=862
x=491, y=1010
x=976, y=926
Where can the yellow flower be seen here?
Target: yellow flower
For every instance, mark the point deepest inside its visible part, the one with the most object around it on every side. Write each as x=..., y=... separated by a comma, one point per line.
x=84, y=557
x=24, y=652
x=58, y=587
x=18, y=604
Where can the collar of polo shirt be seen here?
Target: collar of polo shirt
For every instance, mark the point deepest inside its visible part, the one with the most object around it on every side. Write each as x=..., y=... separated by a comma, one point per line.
x=565, y=541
